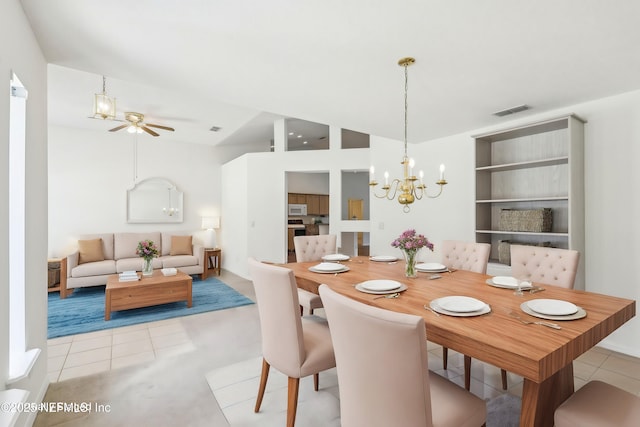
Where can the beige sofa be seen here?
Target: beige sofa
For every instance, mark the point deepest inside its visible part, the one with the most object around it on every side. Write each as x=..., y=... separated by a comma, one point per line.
x=119, y=254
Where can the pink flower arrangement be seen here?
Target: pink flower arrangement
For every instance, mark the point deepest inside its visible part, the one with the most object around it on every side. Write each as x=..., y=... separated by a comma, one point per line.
x=409, y=241
x=147, y=249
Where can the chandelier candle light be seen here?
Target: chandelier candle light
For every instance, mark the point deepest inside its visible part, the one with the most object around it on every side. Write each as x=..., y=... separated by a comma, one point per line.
x=409, y=189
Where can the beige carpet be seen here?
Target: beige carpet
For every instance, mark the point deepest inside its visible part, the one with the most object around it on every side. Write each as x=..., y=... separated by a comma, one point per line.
x=235, y=388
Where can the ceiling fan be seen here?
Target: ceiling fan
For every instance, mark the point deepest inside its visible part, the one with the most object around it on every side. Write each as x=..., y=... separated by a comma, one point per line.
x=137, y=125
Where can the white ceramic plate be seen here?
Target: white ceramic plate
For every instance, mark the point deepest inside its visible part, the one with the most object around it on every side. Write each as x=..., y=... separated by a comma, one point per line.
x=383, y=258
x=328, y=266
x=431, y=266
x=581, y=313
x=436, y=307
x=342, y=269
x=493, y=283
x=552, y=307
x=460, y=304
x=359, y=287
x=335, y=257
x=381, y=285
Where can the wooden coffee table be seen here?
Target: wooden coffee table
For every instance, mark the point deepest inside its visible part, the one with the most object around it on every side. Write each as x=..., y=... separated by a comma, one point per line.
x=148, y=291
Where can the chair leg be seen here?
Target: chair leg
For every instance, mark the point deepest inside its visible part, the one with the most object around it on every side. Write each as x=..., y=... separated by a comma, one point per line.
x=316, y=381
x=445, y=357
x=263, y=384
x=503, y=373
x=467, y=372
x=292, y=401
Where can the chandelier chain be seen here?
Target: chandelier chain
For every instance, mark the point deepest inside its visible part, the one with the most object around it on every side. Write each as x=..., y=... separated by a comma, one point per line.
x=406, y=105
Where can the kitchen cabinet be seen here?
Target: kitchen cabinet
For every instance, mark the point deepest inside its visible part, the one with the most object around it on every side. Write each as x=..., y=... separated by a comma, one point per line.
x=324, y=204
x=290, y=235
x=313, y=204
x=296, y=198
x=312, y=229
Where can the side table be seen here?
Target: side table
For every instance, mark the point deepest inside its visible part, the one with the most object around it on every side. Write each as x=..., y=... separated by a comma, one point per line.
x=212, y=261
x=53, y=270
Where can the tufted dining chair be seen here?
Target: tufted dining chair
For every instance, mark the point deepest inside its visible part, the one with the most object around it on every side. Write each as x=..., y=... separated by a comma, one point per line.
x=541, y=264
x=598, y=404
x=470, y=256
x=383, y=377
x=312, y=248
x=551, y=266
x=467, y=256
x=294, y=345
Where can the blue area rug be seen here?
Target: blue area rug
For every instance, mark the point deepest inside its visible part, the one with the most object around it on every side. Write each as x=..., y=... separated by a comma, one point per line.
x=83, y=310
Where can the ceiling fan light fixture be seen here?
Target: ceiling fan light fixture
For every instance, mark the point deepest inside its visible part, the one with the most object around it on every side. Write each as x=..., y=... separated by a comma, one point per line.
x=104, y=107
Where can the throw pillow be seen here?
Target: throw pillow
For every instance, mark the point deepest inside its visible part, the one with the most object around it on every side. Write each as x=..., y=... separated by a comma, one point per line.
x=181, y=245
x=90, y=251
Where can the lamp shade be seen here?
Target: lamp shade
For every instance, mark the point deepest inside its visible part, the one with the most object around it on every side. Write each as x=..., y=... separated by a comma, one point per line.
x=210, y=222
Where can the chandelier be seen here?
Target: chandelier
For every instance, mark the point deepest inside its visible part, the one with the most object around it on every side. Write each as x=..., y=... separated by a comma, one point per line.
x=104, y=107
x=407, y=189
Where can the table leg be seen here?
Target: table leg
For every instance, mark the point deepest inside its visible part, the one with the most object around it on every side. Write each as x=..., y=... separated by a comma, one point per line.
x=107, y=305
x=540, y=400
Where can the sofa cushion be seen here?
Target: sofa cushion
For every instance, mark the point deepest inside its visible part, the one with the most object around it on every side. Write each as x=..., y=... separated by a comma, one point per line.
x=179, y=261
x=90, y=251
x=167, y=237
x=125, y=244
x=97, y=268
x=107, y=242
x=135, y=264
x=181, y=245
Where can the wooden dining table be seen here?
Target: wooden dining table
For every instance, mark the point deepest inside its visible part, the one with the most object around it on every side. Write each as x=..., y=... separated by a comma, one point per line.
x=541, y=355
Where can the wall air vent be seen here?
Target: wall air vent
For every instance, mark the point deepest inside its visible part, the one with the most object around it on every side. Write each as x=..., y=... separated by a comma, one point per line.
x=215, y=128
x=511, y=110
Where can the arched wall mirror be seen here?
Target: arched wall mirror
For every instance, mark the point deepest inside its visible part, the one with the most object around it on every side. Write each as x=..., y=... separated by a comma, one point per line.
x=154, y=200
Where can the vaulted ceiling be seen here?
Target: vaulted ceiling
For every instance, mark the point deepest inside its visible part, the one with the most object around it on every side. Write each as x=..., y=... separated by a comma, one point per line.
x=194, y=64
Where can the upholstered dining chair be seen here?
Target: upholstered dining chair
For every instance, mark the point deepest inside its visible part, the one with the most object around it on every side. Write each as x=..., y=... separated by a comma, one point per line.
x=294, y=345
x=470, y=256
x=541, y=264
x=383, y=378
x=551, y=266
x=598, y=404
x=312, y=248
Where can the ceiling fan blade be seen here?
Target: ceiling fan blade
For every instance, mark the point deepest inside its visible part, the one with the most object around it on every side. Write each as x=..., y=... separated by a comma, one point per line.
x=149, y=131
x=160, y=127
x=118, y=128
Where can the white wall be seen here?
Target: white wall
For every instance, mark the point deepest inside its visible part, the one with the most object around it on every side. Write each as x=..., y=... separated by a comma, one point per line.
x=90, y=173
x=308, y=183
x=450, y=216
x=20, y=53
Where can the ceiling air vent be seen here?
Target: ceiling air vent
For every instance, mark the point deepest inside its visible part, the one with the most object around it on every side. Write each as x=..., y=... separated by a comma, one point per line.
x=511, y=110
x=215, y=128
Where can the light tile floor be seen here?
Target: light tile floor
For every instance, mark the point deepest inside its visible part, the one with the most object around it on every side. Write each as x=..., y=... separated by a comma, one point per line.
x=154, y=373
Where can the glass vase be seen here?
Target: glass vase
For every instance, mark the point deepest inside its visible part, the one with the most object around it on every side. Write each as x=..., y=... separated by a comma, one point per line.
x=411, y=258
x=147, y=266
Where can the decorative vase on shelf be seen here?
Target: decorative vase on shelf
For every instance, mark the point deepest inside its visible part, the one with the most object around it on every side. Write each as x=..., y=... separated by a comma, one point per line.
x=147, y=266
x=411, y=258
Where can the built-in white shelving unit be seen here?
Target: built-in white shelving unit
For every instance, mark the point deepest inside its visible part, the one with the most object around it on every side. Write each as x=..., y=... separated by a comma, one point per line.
x=539, y=165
